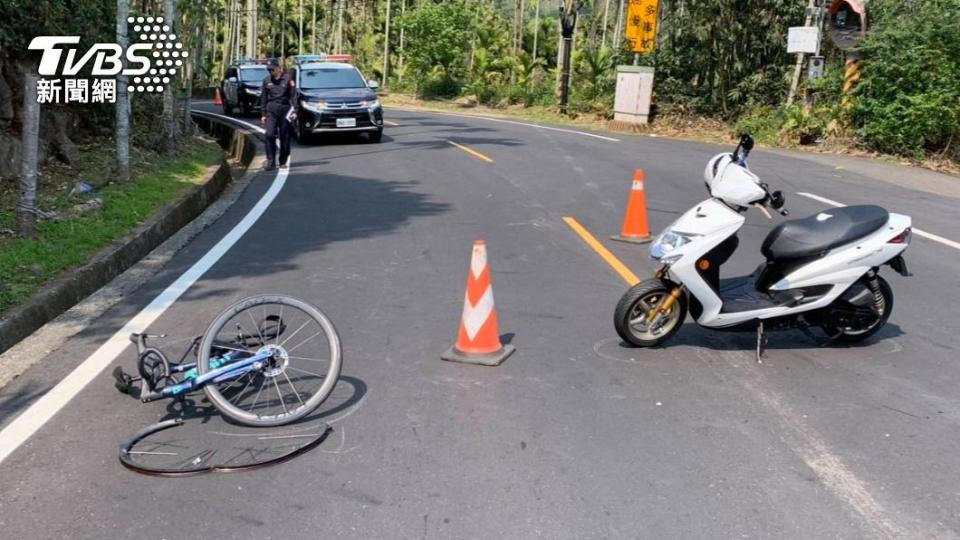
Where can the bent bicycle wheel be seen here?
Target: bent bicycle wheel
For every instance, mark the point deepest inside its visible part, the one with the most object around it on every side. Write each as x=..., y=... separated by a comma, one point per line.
x=298, y=375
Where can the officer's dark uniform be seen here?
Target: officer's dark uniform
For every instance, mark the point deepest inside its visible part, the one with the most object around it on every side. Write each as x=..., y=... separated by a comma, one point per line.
x=276, y=98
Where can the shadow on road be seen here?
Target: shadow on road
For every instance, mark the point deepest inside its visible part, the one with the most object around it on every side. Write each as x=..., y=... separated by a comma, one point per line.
x=692, y=335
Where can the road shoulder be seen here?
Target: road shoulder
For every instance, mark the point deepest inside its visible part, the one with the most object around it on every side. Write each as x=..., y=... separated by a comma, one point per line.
x=233, y=177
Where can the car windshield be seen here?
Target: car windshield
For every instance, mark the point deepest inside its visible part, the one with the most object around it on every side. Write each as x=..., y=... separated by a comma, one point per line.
x=253, y=74
x=332, y=77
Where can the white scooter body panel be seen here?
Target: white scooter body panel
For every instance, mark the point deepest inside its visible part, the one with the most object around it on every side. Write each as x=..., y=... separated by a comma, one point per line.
x=845, y=264
x=711, y=222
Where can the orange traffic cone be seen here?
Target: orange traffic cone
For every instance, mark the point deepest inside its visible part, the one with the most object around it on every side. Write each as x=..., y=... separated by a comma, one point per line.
x=635, y=227
x=217, y=100
x=479, y=338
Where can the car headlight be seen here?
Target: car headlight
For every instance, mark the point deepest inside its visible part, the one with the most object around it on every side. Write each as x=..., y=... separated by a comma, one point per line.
x=667, y=242
x=252, y=91
x=372, y=104
x=315, y=106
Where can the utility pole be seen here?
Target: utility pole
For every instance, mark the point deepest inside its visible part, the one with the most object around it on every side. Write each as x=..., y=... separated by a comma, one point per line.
x=227, y=38
x=403, y=13
x=313, y=29
x=799, y=65
x=300, y=45
x=536, y=29
x=340, y=27
x=123, y=98
x=251, y=29
x=386, y=46
x=603, y=33
x=568, y=26
x=619, y=31
x=27, y=207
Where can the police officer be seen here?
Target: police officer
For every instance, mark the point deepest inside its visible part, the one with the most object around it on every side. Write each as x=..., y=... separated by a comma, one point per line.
x=277, y=95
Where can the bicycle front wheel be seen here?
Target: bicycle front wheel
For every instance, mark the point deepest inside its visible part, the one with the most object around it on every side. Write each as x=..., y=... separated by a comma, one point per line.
x=298, y=375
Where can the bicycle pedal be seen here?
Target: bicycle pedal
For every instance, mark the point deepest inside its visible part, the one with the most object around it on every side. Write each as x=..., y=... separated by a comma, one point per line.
x=122, y=381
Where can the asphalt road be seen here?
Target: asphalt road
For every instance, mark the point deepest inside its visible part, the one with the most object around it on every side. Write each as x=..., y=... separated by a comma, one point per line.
x=575, y=436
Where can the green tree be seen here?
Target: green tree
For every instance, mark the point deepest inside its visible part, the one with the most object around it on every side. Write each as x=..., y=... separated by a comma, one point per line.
x=909, y=98
x=437, y=37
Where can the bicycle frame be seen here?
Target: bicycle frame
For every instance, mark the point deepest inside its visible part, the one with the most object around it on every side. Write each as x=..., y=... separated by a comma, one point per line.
x=228, y=370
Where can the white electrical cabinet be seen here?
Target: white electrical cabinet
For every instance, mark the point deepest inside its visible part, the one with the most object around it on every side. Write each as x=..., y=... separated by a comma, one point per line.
x=634, y=92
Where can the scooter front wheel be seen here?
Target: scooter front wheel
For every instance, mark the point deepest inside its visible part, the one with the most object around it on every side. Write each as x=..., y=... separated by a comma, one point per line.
x=632, y=315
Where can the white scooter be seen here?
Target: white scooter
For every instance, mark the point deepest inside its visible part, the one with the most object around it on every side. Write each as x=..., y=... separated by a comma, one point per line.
x=820, y=271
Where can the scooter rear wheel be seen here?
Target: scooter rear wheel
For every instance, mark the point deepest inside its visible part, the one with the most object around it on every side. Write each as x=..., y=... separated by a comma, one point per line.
x=850, y=334
x=630, y=316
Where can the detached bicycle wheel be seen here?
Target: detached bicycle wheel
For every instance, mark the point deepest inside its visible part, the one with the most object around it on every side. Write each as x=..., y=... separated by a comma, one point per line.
x=301, y=371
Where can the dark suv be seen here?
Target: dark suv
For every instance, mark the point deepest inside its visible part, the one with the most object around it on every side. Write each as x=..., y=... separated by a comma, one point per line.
x=334, y=97
x=240, y=90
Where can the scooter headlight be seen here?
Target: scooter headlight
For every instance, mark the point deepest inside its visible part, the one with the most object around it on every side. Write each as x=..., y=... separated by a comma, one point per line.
x=667, y=242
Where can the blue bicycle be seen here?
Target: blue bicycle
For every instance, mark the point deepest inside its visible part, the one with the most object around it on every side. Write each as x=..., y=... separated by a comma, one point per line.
x=266, y=360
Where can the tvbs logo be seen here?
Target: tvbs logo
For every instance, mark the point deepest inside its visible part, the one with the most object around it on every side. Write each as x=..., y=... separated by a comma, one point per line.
x=151, y=63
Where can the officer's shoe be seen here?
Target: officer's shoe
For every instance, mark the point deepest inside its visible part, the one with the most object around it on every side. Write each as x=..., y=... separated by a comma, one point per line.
x=269, y=166
x=285, y=165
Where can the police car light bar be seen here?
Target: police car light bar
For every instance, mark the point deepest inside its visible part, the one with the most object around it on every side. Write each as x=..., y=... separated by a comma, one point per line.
x=322, y=57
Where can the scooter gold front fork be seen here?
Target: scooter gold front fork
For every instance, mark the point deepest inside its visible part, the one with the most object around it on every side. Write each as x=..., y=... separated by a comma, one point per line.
x=664, y=307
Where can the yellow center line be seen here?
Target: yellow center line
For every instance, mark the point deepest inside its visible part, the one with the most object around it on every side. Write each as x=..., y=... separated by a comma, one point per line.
x=604, y=253
x=390, y=123
x=472, y=152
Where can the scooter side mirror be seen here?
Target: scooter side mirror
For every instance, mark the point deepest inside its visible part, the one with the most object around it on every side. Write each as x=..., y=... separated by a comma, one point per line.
x=777, y=200
x=743, y=148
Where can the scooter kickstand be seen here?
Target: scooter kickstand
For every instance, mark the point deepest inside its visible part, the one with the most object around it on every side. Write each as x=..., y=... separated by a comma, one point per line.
x=761, y=343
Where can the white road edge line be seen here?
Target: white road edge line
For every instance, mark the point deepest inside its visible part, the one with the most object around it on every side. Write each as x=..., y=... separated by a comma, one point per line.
x=501, y=120
x=916, y=231
x=24, y=426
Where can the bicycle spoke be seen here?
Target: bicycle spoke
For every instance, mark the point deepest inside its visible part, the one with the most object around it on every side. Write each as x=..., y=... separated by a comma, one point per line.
x=232, y=349
x=294, y=389
x=282, y=403
x=255, y=325
x=307, y=372
x=295, y=333
x=256, y=397
x=279, y=324
x=240, y=393
x=290, y=350
x=310, y=359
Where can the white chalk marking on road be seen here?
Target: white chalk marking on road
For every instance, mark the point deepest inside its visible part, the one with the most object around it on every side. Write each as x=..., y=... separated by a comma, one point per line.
x=916, y=231
x=31, y=420
x=504, y=121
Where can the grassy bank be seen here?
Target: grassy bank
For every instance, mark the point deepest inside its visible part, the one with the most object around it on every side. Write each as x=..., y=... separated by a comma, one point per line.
x=67, y=243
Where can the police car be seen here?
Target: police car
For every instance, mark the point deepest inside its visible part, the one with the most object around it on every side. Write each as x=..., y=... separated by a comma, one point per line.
x=240, y=89
x=334, y=97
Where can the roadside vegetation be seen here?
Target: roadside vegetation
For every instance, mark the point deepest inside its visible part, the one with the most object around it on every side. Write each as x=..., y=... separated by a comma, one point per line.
x=716, y=62
x=82, y=228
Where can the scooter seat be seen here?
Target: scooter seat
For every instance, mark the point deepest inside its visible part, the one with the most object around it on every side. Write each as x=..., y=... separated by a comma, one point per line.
x=814, y=235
